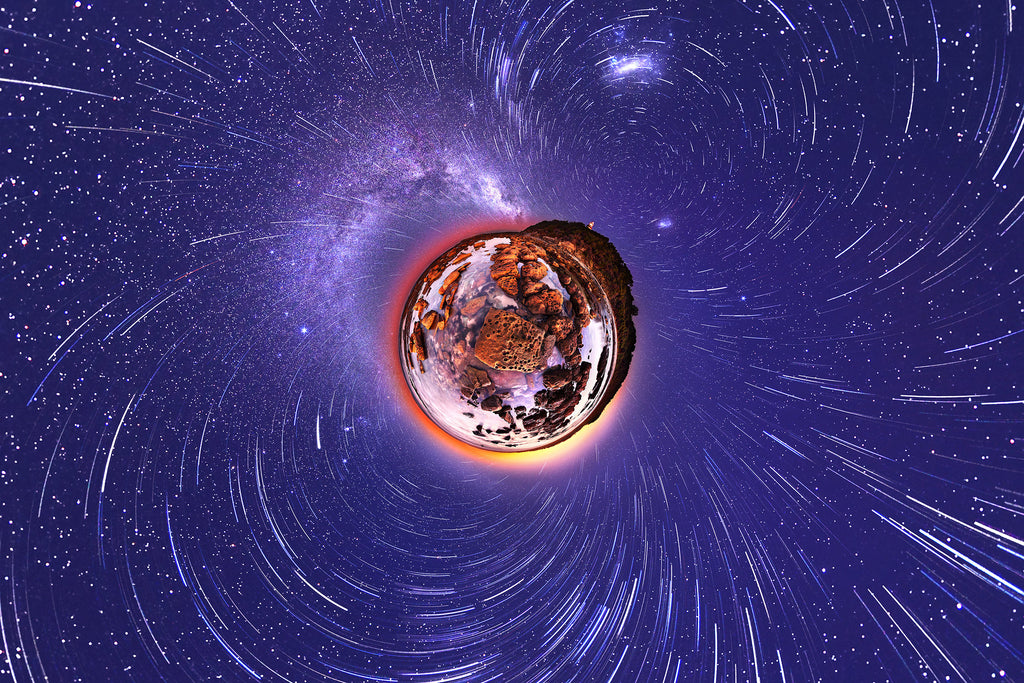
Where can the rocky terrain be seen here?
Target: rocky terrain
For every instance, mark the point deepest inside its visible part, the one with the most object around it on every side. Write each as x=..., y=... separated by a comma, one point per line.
x=510, y=341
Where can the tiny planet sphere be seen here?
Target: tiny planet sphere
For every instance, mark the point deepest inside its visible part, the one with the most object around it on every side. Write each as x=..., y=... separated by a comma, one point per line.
x=512, y=341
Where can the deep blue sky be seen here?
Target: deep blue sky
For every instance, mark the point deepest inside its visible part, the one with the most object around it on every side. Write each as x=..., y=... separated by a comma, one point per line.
x=812, y=473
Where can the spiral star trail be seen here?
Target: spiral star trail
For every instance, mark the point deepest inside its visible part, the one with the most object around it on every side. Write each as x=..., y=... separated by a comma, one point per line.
x=812, y=473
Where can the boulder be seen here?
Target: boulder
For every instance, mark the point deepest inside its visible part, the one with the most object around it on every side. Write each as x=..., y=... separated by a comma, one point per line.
x=491, y=403
x=533, y=270
x=509, y=342
x=547, y=302
x=557, y=377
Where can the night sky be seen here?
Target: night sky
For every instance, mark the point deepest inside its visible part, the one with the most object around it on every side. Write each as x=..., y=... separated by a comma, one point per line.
x=212, y=211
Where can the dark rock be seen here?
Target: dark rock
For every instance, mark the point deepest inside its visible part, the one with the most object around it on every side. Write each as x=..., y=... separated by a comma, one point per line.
x=556, y=378
x=491, y=403
x=547, y=346
x=568, y=345
x=475, y=378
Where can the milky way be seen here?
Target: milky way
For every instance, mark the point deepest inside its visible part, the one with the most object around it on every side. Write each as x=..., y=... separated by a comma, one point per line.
x=813, y=471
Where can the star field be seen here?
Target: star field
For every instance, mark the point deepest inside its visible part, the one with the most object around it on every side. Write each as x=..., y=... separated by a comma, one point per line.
x=210, y=471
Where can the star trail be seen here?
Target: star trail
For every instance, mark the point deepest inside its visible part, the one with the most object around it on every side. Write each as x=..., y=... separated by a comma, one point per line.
x=213, y=211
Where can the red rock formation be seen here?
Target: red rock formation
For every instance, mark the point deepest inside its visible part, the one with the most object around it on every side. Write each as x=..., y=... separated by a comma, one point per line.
x=473, y=305
x=502, y=269
x=452, y=279
x=531, y=287
x=416, y=343
x=509, y=284
x=509, y=342
x=430, y=319
x=568, y=344
x=544, y=302
x=603, y=261
x=518, y=344
x=561, y=328
x=532, y=270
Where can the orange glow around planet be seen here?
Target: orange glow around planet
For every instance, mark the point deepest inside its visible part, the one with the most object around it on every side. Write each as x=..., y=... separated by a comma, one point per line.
x=511, y=344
